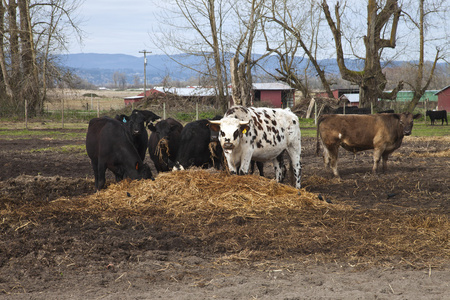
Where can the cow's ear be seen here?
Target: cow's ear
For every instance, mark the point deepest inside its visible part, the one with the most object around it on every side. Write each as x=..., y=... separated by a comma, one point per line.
x=154, y=117
x=151, y=127
x=214, y=126
x=244, y=128
x=416, y=116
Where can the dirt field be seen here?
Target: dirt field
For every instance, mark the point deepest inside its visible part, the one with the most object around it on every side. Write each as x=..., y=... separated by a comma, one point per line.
x=380, y=237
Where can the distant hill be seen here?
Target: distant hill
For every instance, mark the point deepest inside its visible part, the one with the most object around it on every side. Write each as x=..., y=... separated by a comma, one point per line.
x=98, y=69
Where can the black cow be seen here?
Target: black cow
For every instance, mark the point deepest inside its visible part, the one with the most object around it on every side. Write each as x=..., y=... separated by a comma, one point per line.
x=164, y=143
x=136, y=124
x=109, y=146
x=199, y=146
x=437, y=115
x=352, y=110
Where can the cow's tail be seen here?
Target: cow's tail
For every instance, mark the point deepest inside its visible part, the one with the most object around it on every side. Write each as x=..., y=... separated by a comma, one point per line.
x=318, y=135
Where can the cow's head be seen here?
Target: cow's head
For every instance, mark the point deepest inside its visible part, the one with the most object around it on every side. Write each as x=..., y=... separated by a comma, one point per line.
x=163, y=128
x=122, y=118
x=139, y=119
x=214, y=134
x=230, y=131
x=406, y=120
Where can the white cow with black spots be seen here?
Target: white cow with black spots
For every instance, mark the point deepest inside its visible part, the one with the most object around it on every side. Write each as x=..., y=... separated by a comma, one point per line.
x=260, y=134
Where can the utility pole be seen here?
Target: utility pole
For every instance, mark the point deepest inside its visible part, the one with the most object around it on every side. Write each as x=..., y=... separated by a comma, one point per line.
x=145, y=72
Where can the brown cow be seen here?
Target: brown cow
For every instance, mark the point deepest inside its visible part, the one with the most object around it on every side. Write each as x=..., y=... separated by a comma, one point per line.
x=382, y=132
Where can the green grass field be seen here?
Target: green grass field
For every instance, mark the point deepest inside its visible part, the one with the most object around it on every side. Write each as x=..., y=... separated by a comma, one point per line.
x=17, y=129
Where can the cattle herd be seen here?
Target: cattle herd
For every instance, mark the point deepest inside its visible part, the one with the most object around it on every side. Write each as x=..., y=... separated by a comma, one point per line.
x=242, y=137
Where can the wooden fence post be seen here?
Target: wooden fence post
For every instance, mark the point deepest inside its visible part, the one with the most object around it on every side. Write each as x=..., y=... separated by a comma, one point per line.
x=26, y=114
x=196, y=111
x=62, y=112
x=315, y=113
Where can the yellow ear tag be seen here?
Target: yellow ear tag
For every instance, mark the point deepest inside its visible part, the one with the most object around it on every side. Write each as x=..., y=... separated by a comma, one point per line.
x=244, y=131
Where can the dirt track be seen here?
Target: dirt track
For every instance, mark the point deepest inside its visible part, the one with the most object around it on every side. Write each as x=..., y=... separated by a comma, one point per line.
x=47, y=252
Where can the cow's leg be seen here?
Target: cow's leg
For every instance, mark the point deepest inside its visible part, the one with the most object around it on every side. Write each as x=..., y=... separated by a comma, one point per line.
x=101, y=169
x=245, y=163
x=260, y=166
x=281, y=161
x=95, y=168
x=376, y=159
x=278, y=170
x=296, y=166
x=326, y=155
x=331, y=157
x=232, y=168
x=385, y=158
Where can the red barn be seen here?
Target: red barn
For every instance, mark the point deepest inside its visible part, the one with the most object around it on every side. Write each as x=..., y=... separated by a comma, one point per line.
x=134, y=99
x=444, y=99
x=276, y=94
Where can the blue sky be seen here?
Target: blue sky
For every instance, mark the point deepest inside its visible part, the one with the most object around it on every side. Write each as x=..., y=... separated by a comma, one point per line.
x=116, y=26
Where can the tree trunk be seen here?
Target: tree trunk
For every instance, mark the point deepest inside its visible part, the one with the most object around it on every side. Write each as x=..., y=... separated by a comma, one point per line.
x=222, y=101
x=235, y=83
x=31, y=90
x=5, y=88
x=15, y=63
x=371, y=80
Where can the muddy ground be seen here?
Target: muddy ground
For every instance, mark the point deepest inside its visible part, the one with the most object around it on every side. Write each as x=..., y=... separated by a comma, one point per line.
x=49, y=254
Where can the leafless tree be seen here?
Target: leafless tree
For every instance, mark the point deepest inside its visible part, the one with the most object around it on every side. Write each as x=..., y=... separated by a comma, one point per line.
x=30, y=32
x=119, y=79
x=202, y=36
x=300, y=25
x=250, y=14
x=382, y=22
x=421, y=82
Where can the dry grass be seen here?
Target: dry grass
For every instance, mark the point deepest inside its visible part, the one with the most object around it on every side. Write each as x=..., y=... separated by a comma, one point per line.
x=74, y=99
x=445, y=153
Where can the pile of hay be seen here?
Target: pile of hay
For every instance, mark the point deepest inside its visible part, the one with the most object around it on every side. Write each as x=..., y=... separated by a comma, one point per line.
x=197, y=190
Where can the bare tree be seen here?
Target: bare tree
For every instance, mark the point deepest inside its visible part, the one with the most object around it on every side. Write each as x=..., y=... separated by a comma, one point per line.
x=119, y=79
x=300, y=29
x=242, y=62
x=30, y=31
x=382, y=20
x=421, y=84
x=205, y=21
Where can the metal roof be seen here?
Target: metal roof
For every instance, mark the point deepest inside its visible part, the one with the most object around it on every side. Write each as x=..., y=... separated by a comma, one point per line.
x=272, y=86
x=448, y=86
x=189, y=91
x=352, y=98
